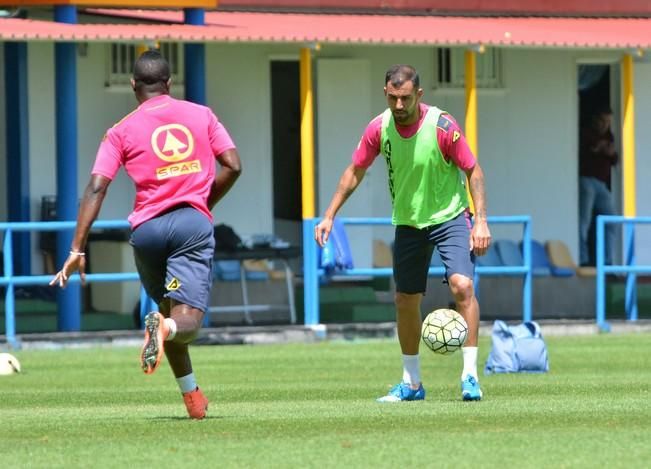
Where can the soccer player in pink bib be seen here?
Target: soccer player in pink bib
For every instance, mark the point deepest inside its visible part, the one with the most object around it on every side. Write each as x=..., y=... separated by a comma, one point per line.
x=428, y=161
x=168, y=147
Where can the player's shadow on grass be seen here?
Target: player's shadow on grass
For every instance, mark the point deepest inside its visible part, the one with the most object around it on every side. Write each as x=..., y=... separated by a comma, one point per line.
x=175, y=418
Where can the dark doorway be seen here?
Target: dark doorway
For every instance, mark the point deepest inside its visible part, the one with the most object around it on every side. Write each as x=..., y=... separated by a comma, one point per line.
x=594, y=92
x=594, y=89
x=286, y=140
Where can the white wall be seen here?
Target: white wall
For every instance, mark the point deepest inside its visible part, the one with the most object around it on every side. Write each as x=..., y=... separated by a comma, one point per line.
x=528, y=134
x=643, y=158
x=527, y=144
x=343, y=98
x=42, y=141
x=533, y=157
x=527, y=131
x=238, y=90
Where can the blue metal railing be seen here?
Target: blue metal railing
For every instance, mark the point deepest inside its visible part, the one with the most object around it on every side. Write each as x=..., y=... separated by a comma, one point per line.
x=10, y=281
x=311, y=272
x=628, y=267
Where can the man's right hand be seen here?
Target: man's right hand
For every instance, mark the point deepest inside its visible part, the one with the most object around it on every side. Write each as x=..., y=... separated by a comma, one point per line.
x=322, y=231
x=75, y=262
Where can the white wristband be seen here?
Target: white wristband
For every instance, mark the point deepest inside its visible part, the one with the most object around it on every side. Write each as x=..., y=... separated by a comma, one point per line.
x=77, y=253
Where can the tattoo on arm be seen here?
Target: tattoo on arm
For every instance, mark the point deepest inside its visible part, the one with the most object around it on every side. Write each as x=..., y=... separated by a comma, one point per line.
x=478, y=192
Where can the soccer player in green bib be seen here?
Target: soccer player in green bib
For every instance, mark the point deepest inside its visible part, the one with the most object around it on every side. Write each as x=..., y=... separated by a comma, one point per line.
x=428, y=162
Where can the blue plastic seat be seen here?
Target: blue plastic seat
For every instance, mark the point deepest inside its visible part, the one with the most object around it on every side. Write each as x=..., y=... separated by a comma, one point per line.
x=490, y=259
x=509, y=253
x=229, y=271
x=540, y=264
x=226, y=270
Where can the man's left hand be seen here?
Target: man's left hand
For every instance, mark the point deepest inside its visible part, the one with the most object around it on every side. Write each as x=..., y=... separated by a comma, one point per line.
x=480, y=238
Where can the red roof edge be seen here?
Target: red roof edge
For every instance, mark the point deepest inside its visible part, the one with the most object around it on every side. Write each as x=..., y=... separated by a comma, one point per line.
x=600, y=8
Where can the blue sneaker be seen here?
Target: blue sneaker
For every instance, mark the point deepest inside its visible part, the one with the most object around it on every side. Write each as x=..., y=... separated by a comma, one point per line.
x=470, y=390
x=402, y=392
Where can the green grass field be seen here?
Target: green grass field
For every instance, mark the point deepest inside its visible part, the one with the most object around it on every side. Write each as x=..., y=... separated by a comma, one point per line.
x=312, y=405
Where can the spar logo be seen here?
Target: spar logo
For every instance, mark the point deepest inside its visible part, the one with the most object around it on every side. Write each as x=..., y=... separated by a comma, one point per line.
x=174, y=143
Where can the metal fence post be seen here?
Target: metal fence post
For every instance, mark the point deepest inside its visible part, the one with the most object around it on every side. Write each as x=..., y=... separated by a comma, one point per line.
x=528, y=277
x=631, y=290
x=10, y=299
x=601, y=277
x=310, y=274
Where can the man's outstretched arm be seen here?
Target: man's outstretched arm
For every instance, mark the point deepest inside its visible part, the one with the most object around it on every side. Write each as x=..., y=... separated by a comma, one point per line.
x=348, y=182
x=91, y=203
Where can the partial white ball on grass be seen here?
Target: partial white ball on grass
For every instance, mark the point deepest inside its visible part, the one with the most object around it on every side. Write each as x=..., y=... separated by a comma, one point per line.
x=9, y=364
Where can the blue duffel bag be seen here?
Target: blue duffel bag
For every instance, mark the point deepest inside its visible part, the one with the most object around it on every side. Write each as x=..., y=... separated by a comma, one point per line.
x=518, y=348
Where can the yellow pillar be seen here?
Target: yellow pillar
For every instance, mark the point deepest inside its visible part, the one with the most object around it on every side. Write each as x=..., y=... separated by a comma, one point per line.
x=307, y=133
x=471, y=107
x=628, y=136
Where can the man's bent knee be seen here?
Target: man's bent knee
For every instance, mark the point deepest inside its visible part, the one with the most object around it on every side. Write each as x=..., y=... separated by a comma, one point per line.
x=188, y=322
x=461, y=286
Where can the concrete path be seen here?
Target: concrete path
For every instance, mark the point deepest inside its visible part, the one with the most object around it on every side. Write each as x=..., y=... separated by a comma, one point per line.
x=285, y=334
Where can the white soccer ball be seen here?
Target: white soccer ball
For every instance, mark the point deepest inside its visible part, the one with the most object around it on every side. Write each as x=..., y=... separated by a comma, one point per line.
x=444, y=331
x=8, y=364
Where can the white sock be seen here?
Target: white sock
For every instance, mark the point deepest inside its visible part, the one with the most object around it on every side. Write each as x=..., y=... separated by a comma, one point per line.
x=469, y=362
x=411, y=369
x=171, y=325
x=187, y=383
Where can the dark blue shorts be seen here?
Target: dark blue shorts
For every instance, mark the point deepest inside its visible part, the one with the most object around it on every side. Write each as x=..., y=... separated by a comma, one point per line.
x=413, y=248
x=174, y=255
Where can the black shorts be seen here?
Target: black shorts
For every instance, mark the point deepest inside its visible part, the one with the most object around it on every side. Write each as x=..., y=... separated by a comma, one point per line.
x=174, y=255
x=413, y=248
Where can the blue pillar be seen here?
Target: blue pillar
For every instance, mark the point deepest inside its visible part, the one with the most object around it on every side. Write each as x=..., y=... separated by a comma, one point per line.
x=68, y=299
x=631, y=277
x=195, y=71
x=310, y=274
x=195, y=60
x=601, y=276
x=527, y=313
x=17, y=127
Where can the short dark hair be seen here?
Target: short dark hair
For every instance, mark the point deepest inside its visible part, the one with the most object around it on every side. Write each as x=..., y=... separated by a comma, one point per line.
x=398, y=74
x=151, y=70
